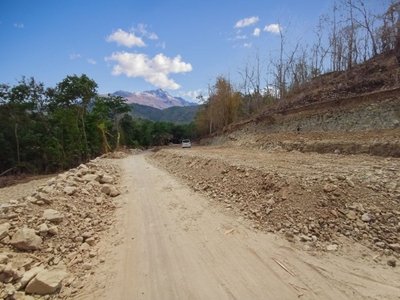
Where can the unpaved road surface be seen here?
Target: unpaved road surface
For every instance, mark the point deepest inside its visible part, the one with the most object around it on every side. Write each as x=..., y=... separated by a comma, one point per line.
x=171, y=242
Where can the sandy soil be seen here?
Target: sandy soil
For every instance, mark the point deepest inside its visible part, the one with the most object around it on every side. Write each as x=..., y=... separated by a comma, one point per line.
x=170, y=242
x=20, y=190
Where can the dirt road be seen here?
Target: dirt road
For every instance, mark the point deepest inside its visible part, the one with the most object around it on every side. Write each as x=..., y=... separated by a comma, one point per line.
x=173, y=243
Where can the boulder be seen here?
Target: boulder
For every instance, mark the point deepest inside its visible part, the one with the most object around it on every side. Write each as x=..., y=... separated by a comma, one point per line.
x=365, y=217
x=329, y=187
x=43, y=229
x=3, y=260
x=26, y=239
x=52, y=215
x=30, y=274
x=48, y=189
x=5, y=207
x=70, y=190
x=395, y=247
x=44, y=197
x=53, y=230
x=47, y=281
x=106, y=179
x=332, y=247
x=91, y=241
x=114, y=192
x=110, y=190
x=90, y=177
x=351, y=215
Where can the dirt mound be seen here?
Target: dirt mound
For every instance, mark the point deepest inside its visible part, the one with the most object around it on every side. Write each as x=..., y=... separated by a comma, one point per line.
x=316, y=200
x=48, y=238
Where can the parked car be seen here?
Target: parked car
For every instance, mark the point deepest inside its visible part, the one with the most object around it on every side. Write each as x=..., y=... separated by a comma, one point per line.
x=186, y=143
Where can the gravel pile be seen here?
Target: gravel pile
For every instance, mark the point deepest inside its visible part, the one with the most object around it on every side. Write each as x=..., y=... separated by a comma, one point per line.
x=48, y=239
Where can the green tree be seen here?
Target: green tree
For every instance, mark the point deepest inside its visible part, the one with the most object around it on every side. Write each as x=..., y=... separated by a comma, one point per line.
x=77, y=92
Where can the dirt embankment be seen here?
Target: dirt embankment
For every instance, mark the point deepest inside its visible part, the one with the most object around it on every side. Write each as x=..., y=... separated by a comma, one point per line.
x=385, y=143
x=320, y=202
x=363, y=124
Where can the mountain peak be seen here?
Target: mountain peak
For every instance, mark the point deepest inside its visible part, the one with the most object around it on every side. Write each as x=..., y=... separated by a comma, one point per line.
x=159, y=92
x=158, y=98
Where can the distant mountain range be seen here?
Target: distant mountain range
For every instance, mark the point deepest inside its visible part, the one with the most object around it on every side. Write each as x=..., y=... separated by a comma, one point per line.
x=156, y=98
x=159, y=106
x=175, y=114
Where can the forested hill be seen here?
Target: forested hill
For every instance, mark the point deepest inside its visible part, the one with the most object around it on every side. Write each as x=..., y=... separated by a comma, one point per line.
x=175, y=114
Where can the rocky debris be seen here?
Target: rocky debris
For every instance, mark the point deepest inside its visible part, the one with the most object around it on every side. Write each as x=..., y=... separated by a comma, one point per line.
x=48, y=238
x=332, y=247
x=4, y=230
x=47, y=281
x=52, y=215
x=29, y=275
x=26, y=239
x=391, y=262
x=315, y=208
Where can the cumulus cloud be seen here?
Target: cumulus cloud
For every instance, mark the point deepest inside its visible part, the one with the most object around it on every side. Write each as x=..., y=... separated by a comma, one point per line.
x=247, y=45
x=273, y=28
x=19, y=25
x=246, y=22
x=74, y=56
x=126, y=39
x=154, y=70
x=256, y=32
x=91, y=61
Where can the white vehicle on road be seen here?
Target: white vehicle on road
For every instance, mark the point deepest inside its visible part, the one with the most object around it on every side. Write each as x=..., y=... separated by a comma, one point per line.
x=186, y=143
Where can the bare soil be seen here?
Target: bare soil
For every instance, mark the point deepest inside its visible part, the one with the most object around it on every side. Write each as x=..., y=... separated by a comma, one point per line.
x=249, y=219
x=201, y=231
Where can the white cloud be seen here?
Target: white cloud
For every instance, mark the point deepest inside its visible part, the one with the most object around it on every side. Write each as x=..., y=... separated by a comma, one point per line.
x=91, y=61
x=153, y=70
x=126, y=39
x=141, y=28
x=162, y=45
x=143, y=31
x=19, y=25
x=273, y=28
x=74, y=56
x=153, y=36
x=256, y=32
x=238, y=37
x=246, y=22
x=247, y=45
x=193, y=94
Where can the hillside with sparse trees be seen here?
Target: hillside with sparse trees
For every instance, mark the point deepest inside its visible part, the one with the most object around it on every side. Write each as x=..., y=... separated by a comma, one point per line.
x=356, y=50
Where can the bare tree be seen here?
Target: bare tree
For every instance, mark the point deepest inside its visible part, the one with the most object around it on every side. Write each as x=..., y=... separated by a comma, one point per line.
x=318, y=50
x=368, y=20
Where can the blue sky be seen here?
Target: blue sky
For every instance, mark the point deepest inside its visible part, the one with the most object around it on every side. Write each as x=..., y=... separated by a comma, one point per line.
x=180, y=46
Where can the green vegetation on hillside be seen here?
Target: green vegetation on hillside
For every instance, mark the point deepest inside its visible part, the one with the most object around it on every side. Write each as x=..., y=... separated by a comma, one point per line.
x=175, y=114
x=44, y=130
